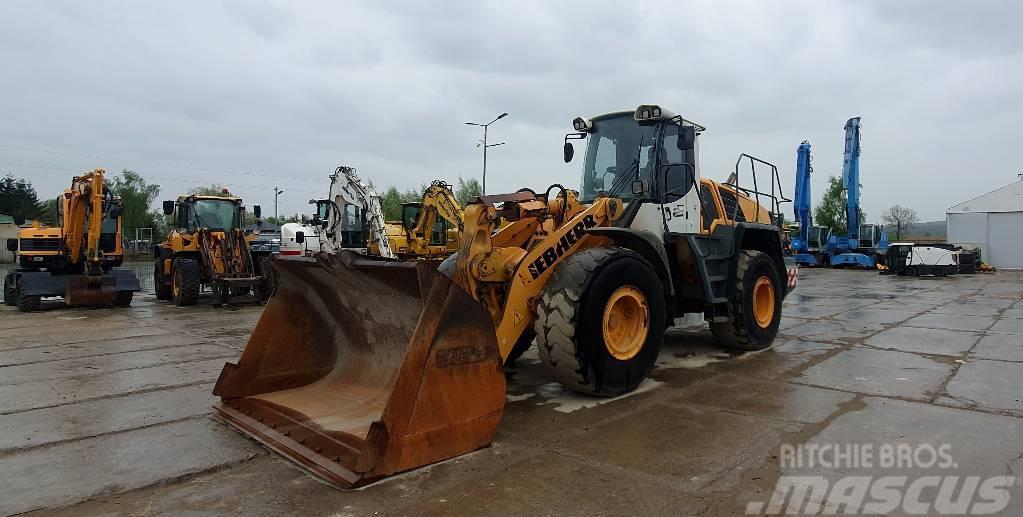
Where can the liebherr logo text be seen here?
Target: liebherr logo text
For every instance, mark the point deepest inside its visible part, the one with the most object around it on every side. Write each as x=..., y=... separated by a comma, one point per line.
x=553, y=253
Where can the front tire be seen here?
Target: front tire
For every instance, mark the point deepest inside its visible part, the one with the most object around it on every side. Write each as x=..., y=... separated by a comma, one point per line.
x=123, y=298
x=185, y=282
x=163, y=291
x=10, y=290
x=266, y=270
x=755, y=307
x=600, y=321
x=26, y=303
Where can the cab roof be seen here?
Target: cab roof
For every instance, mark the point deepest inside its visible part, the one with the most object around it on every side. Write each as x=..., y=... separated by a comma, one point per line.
x=191, y=197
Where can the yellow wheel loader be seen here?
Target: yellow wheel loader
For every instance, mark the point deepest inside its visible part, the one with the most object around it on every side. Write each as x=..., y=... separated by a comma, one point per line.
x=76, y=258
x=208, y=247
x=361, y=368
x=429, y=228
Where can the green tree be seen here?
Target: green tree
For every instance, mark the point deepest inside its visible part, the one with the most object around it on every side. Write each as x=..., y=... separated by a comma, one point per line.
x=390, y=203
x=46, y=212
x=831, y=211
x=392, y=198
x=18, y=197
x=215, y=189
x=137, y=196
x=467, y=190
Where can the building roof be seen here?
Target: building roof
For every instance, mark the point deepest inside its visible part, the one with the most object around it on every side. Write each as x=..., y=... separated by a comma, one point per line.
x=1005, y=199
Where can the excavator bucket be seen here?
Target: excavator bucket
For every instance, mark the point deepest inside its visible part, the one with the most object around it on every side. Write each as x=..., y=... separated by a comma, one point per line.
x=361, y=368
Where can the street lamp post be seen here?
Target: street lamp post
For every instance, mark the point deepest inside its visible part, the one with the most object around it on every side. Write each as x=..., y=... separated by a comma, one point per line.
x=277, y=192
x=485, y=146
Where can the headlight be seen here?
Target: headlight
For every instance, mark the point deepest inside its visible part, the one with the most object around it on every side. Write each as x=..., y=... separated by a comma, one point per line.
x=582, y=124
x=648, y=112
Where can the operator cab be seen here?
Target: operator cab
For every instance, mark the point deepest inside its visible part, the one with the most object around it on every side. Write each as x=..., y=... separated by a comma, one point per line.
x=648, y=159
x=215, y=213
x=409, y=216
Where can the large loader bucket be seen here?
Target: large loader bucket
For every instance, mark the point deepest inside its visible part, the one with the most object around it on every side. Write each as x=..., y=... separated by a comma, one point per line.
x=361, y=368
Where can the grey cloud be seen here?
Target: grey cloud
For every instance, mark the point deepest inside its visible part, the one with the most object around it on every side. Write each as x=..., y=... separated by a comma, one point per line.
x=293, y=89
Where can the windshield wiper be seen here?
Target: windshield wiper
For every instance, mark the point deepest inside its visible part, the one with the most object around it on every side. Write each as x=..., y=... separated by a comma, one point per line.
x=620, y=181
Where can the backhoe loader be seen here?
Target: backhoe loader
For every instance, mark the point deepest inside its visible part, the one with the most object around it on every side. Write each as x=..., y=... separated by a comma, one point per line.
x=207, y=246
x=350, y=218
x=76, y=258
x=361, y=368
x=429, y=228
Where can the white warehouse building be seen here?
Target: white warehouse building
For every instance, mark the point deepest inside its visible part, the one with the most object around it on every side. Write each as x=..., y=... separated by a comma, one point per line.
x=992, y=222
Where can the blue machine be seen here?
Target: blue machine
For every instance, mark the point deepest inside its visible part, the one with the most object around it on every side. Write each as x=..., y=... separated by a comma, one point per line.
x=866, y=243
x=805, y=254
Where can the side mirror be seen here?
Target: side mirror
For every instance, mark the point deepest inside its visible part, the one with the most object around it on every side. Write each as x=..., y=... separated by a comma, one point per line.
x=569, y=152
x=168, y=207
x=12, y=244
x=300, y=237
x=638, y=187
x=257, y=211
x=19, y=219
x=686, y=138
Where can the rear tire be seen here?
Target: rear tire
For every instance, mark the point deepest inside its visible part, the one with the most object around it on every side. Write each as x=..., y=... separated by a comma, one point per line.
x=185, y=282
x=26, y=303
x=911, y=271
x=123, y=298
x=752, y=327
x=163, y=291
x=578, y=304
x=447, y=268
x=10, y=290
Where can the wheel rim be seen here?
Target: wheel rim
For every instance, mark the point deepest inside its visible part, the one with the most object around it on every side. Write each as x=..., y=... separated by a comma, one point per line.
x=763, y=301
x=626, y=322
x=176, y=284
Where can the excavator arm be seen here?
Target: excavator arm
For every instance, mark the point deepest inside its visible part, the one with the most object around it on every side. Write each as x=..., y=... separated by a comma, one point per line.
x=438, y=201
x=346, y=188
x=84, y=219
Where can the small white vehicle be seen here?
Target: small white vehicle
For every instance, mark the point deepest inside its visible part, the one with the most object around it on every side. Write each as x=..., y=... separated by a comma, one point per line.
x=906, y=258
x=289, y=240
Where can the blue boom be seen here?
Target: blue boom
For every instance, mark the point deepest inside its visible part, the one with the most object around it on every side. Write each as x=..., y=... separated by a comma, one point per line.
x=865, y=242
x=801, y=244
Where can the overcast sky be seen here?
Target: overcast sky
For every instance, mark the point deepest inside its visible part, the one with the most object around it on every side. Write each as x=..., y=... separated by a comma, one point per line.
x=257, y=94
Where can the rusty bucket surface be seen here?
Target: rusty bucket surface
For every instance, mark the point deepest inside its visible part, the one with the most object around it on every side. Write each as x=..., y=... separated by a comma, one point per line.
x=360, y=368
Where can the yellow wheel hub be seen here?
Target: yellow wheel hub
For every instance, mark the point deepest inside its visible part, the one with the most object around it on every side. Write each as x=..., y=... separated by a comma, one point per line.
x=763, y=302
x=626, y=322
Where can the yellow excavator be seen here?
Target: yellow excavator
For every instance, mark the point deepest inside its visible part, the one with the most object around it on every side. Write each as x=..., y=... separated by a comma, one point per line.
x=360, y=368
x=428, y=228
x=76, y=258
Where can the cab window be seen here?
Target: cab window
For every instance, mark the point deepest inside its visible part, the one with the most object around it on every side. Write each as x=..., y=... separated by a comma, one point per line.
x=710, y=208
x=676, y=164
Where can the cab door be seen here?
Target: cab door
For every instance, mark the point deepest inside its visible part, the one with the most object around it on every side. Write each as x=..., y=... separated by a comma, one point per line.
x=678, y=178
